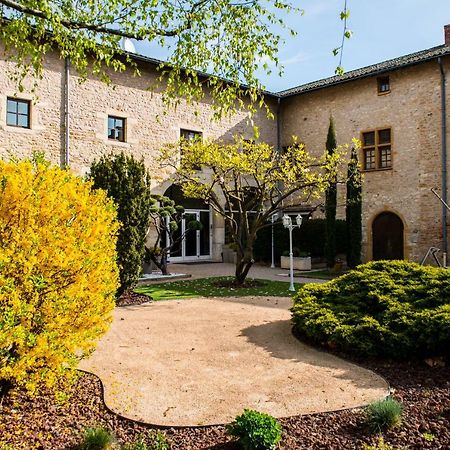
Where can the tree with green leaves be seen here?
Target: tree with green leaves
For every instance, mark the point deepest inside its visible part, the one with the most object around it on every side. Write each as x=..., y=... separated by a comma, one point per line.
x=353, y=211
x=228, y=38
x=233, y=40
x=331, y=202
x=166, y=217
x=247, y=183
x=127, y=182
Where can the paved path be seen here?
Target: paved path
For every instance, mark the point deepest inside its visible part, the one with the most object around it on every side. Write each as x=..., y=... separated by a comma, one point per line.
x=225, y=269
x=202, y=361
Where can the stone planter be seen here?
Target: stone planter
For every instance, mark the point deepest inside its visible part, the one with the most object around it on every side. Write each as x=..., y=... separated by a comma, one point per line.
x=300, y=262
x=228, y=255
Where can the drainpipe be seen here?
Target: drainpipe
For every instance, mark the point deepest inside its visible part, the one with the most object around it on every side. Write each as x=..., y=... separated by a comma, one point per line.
x=279, y=124
x=66, y=112
x=444, y=156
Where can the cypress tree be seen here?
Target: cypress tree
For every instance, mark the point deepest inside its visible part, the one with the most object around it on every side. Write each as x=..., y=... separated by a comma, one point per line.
x=127, y=183
x=330, y=203
x=353, y=211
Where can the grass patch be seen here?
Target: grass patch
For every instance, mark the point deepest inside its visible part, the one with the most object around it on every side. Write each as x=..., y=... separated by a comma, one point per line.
x=383, y=415
x=324, y=274
x=213, y=287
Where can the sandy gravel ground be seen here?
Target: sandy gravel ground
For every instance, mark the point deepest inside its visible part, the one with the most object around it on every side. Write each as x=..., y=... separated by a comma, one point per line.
x=202, y=361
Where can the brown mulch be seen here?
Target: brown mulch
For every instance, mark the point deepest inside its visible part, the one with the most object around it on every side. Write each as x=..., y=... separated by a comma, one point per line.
x=44, y=423
x=130, y=297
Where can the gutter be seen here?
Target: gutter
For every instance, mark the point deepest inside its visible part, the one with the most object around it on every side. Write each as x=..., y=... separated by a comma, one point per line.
x=66, y=161
x=279, y=124
x=444, y=156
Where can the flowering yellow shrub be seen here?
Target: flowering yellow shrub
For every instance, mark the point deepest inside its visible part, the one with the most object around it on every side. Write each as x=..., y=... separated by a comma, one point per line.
x=58, y=273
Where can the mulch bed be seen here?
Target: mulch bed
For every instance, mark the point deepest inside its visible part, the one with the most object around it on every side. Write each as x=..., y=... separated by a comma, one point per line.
x=43, y=423
x=129, y=298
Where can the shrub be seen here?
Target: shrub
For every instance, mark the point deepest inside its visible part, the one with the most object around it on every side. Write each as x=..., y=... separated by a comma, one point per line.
x=127, y=183
x=384, y=415
x=156, y=440
x=97, y=439
x=58, y=274
x=396, y=309
x=255, y=430
x=309, y=238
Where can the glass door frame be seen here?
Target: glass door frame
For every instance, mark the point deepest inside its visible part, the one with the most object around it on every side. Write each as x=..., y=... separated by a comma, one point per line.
x=198, y=256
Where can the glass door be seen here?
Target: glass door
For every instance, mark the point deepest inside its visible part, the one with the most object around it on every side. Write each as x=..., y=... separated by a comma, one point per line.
x=196, y=243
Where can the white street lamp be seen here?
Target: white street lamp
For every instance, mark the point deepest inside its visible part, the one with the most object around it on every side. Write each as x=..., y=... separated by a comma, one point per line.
x=287, y=223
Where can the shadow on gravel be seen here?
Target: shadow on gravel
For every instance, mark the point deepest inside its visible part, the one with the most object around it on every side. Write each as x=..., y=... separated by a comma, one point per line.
x=277, y=339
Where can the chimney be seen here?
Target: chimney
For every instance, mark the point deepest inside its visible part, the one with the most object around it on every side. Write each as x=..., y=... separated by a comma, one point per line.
x=447, y=34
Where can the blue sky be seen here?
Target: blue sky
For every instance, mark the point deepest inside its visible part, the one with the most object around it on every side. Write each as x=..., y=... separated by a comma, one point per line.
x=382, y=30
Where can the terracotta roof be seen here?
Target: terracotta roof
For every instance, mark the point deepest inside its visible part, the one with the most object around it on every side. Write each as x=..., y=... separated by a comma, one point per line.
x=375, y=69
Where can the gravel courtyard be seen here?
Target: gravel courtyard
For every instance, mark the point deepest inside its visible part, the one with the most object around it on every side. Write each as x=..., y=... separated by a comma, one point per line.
x=202, y=361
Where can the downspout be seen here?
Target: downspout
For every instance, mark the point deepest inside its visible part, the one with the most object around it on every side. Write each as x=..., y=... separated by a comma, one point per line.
x=444, y=156
x=279, y=125
x=66, y=112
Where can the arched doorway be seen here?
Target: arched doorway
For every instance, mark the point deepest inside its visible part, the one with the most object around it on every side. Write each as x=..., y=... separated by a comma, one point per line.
x=196, y=243
x=387, y=237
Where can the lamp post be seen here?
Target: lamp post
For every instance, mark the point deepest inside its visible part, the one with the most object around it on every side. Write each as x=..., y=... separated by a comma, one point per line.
x=272, y=266
x=287, y=223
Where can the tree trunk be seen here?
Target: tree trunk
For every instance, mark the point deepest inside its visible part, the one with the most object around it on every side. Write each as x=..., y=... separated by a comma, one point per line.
x=160, y=263
x=243, y=265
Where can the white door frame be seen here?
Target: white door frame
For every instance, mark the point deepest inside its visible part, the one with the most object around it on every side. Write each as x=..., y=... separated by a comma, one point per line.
x=197, y=257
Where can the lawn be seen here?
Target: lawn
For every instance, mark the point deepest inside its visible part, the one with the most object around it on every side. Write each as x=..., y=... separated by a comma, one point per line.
x=324, y=274
x=213, y=287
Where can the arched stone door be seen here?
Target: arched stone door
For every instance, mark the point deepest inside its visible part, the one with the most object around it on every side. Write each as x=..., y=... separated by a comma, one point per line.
x=387, y=237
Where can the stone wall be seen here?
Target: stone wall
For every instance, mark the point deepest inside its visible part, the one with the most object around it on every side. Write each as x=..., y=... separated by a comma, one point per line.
x=413, y=111
x=150, y=124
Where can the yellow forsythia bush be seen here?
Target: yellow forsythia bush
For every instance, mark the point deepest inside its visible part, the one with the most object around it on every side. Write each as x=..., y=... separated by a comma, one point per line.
x=58, y=272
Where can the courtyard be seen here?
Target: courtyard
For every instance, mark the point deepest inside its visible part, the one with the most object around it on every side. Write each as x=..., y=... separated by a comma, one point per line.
x=202, y=361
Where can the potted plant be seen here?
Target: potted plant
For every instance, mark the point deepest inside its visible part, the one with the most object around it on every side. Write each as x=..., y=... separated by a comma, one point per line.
x=301, y=260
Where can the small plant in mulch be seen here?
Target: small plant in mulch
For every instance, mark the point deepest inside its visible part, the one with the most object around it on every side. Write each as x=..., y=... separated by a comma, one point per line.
x=256, y=430
x=383, y=415
x=97, y=439
x=155, y=440
x=380, y=445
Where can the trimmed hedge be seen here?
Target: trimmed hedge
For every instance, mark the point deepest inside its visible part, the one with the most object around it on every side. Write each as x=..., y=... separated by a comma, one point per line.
x=309, y=238
x=395, y=309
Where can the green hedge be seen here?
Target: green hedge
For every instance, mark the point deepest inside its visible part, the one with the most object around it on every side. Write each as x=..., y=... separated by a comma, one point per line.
x=393, y=309
x=309, y=238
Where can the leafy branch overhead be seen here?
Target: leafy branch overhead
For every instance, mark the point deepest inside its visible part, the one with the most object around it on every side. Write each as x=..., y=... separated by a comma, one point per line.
x=228, y=38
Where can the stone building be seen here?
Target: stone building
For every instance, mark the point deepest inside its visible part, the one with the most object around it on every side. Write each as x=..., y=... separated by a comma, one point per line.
x=397, y=108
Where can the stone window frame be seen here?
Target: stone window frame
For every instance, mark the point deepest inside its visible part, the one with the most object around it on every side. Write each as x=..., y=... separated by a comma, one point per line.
x=188, y=134
x=376, y=150
x=124, y=133
x=18, y=114
x=382, y=81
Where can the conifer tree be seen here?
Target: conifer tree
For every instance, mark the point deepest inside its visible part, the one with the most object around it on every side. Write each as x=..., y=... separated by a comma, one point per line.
x=353, y=211
x=331, y=203
x=127, y=183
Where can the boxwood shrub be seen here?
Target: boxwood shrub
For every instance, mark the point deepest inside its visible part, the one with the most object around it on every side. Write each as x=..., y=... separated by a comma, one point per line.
x=394, y=309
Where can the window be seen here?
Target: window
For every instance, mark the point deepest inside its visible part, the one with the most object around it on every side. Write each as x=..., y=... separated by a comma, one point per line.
x=189, y=135
x=18, y=113
x=383, y=85
x=116, y=128
x=377, y=151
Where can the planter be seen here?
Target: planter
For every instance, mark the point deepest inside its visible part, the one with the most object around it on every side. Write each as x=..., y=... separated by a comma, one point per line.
x=228, y=255
x=300, y=262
